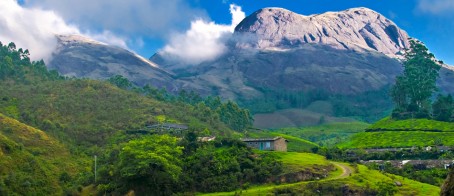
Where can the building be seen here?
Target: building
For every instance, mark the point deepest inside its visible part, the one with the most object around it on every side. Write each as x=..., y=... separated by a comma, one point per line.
x=272, y=144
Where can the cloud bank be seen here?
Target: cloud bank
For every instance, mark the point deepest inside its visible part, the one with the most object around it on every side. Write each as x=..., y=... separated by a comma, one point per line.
x=436, y=7
x=205, y=40
x=128, y=18
x=35, y=29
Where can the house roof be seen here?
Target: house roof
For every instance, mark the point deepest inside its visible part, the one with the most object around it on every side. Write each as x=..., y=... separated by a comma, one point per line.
x=260, y=139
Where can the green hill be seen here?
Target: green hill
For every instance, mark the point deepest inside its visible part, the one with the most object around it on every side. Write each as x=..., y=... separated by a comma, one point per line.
x=33, y=162
x=403, y=133
x=388, y=124
x=386, y=139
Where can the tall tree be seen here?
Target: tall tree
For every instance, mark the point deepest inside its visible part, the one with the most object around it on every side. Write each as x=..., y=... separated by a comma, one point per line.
x=414, y=88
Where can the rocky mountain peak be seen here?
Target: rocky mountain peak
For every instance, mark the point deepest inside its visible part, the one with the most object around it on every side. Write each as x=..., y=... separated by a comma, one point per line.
x=353, y=29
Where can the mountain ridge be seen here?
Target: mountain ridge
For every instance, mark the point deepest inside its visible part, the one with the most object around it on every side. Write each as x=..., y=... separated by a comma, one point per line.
x=355, y=28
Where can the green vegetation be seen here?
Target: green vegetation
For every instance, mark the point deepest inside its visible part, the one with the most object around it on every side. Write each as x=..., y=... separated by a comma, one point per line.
x=159, y=164
x=89, y=118
x=33, y=162
x=398, y=139
x=363, y=181
x=327, y=134
x=357, y=106
x=413, y=89
x=389, y=124
x=295, y=144
x=294, y=161
x=434, y=176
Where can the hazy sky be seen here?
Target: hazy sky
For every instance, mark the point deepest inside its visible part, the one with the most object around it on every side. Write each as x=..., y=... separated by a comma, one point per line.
x=180, y=26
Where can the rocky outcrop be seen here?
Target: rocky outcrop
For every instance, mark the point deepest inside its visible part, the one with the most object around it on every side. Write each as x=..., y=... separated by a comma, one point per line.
x=353, y=29
x=448, y=187
x=81, y=57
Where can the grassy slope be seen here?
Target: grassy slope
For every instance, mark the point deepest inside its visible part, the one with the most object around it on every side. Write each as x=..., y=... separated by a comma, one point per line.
x=32, y=161
x=327, y=134
x=397, y=139
x=412, y=125
x=403, y=133
x=363, y=179
x=294, y=161
x=87, y=111
x=295, y=144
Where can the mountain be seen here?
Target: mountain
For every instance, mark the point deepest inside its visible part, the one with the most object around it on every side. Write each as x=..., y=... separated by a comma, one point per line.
x=355, y=29
x=279, y=59
x=81, y=57
x=276, y=60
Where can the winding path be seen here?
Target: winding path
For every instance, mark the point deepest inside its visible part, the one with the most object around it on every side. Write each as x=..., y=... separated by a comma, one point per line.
x=346, y=172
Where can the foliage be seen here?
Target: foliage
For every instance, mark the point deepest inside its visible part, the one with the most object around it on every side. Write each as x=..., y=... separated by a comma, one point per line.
x=145, y=165
x=358, y=106
x=120, y=82
x=229, y=112
x=389, y=124
x=325, y=135
x=158, y=164
x=15, y=64
x=388, y=139
x=363, y=182
x=413, y=89
x=443, y=108
x=434, y=176
x=33, y=162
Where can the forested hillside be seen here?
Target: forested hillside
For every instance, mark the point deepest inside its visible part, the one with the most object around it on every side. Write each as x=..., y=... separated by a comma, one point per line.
x=77, y=119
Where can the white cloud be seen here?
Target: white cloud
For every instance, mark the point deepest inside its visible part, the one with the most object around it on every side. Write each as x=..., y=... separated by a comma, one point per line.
x=129, y=18
x=109, y=38
x=436, y=6
x=205, y=40
x=35, y=29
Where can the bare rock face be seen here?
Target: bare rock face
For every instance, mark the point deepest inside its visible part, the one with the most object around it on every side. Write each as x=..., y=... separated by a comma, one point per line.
x=353, y=29
x=81, y=57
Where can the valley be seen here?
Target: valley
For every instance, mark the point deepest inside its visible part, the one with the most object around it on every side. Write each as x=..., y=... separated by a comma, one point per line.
x=338, y=103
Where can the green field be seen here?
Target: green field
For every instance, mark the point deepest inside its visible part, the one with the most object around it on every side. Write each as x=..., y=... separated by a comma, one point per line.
x=388, y=124
x=295, y=144
x=294, y=161
x=327, y=134
x=398, y=139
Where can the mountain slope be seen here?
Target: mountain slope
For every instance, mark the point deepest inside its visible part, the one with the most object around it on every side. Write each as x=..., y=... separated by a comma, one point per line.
x=81, y=57
x=278, y=59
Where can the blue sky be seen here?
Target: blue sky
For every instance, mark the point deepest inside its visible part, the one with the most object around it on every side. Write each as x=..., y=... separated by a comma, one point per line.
x=148, y=26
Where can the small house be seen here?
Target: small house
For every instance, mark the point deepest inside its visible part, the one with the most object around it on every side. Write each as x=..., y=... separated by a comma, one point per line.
x=271, y=144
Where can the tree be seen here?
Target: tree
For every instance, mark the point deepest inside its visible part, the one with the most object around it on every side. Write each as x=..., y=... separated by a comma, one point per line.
x=149, y=164
x=443, y=108
x=120, y=81
x=414, y=88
